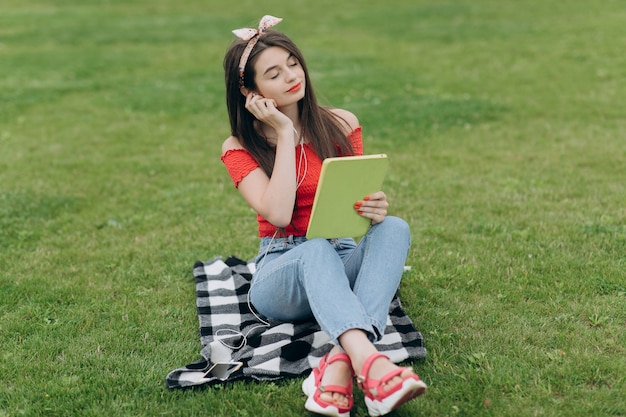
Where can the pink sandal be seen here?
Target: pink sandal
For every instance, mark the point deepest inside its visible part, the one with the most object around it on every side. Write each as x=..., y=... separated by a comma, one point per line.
x=378, y=399
x=313, y=389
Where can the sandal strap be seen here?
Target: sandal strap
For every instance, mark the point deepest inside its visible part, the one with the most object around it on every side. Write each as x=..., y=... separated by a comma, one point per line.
x=337, y=389
x=390, y=375
x=321, y=369
x=341, y=357
x=363, y=378
x=368, y=384
x=325, y=362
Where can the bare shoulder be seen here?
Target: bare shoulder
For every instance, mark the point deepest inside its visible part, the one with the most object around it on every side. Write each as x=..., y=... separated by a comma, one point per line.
x=346, y=117
x=231, y=143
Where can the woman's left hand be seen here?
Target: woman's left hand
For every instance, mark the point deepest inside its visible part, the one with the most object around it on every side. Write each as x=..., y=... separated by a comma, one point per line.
x=373, y=206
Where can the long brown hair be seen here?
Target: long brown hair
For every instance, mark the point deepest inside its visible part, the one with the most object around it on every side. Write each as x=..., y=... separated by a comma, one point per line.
x=327, y=137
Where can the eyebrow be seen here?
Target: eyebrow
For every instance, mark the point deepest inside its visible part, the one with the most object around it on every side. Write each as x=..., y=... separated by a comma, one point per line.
x=275, y=66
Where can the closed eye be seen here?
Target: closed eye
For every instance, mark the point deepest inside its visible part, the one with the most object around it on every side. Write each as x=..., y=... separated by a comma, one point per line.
x=292, y=61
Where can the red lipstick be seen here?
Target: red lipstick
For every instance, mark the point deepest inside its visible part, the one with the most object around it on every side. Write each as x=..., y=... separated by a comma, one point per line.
x=295, y=88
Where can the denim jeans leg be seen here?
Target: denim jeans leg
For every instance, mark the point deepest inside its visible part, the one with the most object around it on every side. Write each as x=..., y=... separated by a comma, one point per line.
x=309, y=281
x=375, y=267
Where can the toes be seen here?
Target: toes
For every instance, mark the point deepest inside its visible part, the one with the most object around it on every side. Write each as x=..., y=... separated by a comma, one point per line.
x=340, y=400
x=392, y=383
x=406, y=372
x=334, y=398
x=327, y=397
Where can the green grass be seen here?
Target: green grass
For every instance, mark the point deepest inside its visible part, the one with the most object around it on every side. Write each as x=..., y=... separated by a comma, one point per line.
x=505, y=126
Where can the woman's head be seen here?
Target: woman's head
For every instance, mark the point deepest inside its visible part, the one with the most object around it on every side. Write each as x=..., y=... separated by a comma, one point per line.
x=319, y=125
x=235, y=90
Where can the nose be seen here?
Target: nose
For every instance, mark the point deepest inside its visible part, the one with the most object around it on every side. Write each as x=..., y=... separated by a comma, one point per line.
x=290, y=74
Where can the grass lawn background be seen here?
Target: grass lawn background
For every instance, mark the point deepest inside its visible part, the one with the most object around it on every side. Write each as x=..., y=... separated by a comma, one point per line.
x=504, y=122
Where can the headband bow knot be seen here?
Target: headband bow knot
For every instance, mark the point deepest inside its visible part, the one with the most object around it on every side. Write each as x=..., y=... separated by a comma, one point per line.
x=252, y=36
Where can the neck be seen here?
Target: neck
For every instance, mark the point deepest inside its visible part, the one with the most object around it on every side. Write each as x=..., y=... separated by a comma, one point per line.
x=293, y=113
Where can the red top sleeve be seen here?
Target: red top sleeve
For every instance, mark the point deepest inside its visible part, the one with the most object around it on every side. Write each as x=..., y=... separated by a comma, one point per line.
x=239, y=163
x=356, y=140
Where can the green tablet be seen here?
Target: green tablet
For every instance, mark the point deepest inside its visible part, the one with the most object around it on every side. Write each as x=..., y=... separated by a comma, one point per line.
x=344, y=181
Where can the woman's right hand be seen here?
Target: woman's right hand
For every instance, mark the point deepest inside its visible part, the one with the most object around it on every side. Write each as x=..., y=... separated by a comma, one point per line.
x=265, y=110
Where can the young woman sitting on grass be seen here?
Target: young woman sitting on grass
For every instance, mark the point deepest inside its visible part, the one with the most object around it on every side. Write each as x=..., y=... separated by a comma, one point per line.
x=280, y=135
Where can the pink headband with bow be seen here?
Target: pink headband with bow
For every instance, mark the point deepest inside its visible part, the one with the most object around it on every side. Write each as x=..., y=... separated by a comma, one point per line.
x=252, y=36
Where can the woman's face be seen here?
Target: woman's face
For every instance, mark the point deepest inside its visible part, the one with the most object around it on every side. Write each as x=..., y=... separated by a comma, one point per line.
x=279, y=76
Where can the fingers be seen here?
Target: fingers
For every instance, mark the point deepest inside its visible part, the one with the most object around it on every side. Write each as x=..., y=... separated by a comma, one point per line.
x=373, y=207
x=260, y=106
x=378, y=196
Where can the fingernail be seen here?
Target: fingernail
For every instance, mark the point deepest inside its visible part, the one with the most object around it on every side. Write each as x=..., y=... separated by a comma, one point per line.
x=366, y=198
x=357, y=205
x=359, y=212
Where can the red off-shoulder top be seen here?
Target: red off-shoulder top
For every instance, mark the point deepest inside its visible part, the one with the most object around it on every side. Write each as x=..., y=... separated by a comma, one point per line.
x=240, y=163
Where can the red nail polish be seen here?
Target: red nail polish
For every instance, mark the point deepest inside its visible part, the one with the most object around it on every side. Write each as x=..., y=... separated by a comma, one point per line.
x=366, y=198
x=357, y=205
x=359, y=212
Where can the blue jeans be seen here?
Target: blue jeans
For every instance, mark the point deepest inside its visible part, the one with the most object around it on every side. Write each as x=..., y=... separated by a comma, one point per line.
x=339, y=283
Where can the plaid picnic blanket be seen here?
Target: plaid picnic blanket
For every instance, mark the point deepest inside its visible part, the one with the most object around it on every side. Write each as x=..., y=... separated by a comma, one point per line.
x=237, y=344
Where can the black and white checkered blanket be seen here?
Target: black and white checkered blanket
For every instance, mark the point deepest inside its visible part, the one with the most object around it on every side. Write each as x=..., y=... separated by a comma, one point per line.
x=236, y=344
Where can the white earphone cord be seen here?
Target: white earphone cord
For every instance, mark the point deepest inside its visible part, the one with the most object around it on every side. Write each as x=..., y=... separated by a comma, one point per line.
x=235, y=333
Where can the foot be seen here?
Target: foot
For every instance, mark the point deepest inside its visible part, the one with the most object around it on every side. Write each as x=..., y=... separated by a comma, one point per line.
x=387, y=386
x=383, y=366
x=329, y=387
x=337, y=373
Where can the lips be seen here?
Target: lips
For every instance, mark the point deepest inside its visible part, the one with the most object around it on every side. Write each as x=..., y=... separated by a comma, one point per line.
x=295, y=88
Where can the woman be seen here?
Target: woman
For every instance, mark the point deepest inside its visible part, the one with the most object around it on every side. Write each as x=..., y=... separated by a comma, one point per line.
x=280, y=135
